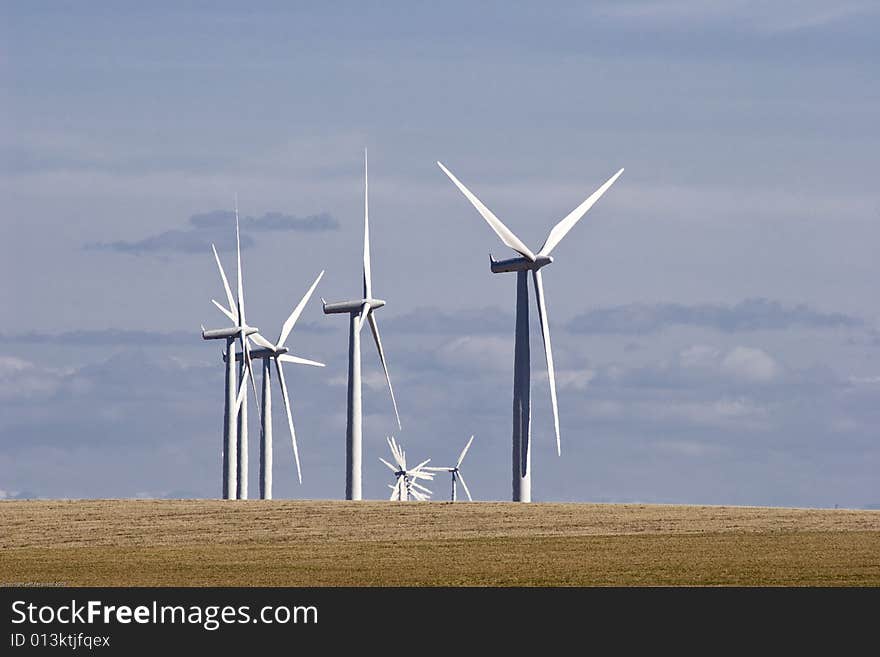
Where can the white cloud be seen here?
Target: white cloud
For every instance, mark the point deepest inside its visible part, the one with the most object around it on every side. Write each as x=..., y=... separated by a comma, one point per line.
x=478, y=353
x=750, y=364
x=22, y=379
x=762, y=17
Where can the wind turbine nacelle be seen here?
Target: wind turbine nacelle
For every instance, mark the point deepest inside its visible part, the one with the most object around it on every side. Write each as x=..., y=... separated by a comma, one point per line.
x=350, y=307
x=518, y=264
x=259, y=352
x=227, y=333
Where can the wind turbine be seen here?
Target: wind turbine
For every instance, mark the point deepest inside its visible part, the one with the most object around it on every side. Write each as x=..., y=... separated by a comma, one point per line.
x=359, y=311
x=234, y=432
x=522, y=265
x=456, y=473
x=406, y=485
x=277, y=352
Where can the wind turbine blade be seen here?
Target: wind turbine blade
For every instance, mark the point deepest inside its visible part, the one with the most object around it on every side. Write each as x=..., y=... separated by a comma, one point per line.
x=362, y=316
x=375, y=328
x=368, y=276
x=463, y=452
x=290, y=321
x=289, y=417
x=393, y=492
x=261, y=341
x=226, y=287
x=423, y=463
x=288, y=358
x=464, y=485
x=561, y=229
x=390, y=467
x=242, y=391
x=396, y=453
x=494, y=222
x=548, y=351
x=225, y=311
x=241, y=320
x=416, y=484
x=250, y=369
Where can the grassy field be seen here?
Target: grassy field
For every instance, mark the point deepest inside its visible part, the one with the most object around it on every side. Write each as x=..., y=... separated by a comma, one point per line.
x=304, y=543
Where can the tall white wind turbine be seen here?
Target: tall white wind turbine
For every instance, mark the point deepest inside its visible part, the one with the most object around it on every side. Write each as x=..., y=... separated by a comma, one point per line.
x=407, y=484
x=359, y=311
x=456, y=472
x=522, y=265
x=234, y=430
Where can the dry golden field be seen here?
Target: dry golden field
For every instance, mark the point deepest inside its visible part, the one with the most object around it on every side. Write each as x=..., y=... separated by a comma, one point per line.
x=305, y=543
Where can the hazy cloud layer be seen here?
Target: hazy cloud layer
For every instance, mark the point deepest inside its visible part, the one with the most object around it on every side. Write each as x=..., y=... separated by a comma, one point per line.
x=216, y=227
x=437, y=320
x=102, y=338
x=748, y=315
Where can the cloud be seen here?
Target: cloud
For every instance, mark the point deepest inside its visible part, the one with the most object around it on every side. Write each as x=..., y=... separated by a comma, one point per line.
x=435, y=320
x=761, y=17
x=477, y=353
x=270, y=221
x=104, y=338
x=750, y=364
x=749, y=315
x=214, y=228
x=21, y=379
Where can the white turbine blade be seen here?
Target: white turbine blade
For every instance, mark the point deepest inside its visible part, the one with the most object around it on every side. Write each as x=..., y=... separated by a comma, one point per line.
x=241, y=320
x=290, y=321
x=250, y=369
x=375, y=328
x=362, y=316
x=561, y=229
x=548, y=351
x=463, y=452
x=420, y=487
x=289, y=358
x=390, y=467
x=396, y=453
x=464, y=485
x=390, y=441
x=368, y=275
x=289, y=417
x=494, y=222
x=261, y=341
x=226, y=287
x=423, y=463
x=242, y=391
x=225, y=311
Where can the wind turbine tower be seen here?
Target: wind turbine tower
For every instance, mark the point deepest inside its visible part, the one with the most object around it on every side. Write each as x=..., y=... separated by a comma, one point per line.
x=359, y=312
x=526, y=262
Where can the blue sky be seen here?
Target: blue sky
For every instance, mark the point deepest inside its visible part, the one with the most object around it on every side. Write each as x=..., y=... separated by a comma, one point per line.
x=715, y=316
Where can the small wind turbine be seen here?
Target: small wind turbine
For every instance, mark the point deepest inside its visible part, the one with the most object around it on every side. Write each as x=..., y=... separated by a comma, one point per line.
x=234, y=430
x=359, y=311
x=456, y=472
x=407, y=485
x=279, y=353
x=522, y=265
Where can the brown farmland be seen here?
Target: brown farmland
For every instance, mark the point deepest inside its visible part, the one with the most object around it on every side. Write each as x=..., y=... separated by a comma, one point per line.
x=305, y=543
